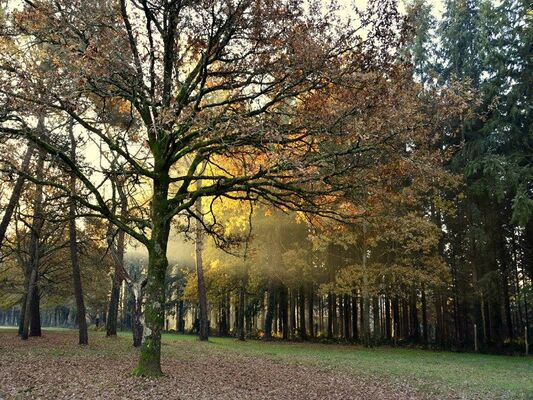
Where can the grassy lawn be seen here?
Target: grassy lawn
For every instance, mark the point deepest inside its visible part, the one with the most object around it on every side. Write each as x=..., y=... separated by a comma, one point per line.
x=433, y=374
x=462, y=375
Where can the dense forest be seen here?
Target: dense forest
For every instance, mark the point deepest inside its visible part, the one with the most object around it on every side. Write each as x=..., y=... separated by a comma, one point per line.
x=270, y=170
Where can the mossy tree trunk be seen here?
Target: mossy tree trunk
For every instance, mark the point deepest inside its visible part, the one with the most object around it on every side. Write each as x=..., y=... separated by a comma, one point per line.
x=154, y=315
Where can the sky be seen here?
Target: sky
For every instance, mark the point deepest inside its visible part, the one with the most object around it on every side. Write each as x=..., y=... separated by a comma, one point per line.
x=437, y=5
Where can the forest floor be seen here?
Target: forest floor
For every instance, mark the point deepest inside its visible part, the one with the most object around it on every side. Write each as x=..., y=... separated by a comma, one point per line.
x=54, y=366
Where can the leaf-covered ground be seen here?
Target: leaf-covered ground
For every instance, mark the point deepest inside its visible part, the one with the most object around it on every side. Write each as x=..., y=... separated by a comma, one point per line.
x=55, y=367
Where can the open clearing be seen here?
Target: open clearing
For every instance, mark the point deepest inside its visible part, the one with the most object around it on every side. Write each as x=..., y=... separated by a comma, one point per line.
x=55, y=367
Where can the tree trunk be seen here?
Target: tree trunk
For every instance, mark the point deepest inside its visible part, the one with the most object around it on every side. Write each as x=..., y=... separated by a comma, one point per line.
x=277, y=315
x=137, y=326
x=15, y=194
x=396, y=317
x=320, y=314
x=366, y=301
x=269, y=317
x=117, y=252
x=365, y=314
x=35, y=317
x=507, y=305
x=249, y=320
x=347, y=314
x=330, y=314
x=180, y=320
x=154, y=312
x=388, y=326
x=34, y=247
x=223, y=323
x=376, y=317
x=424, y=317
x=292, y=312
x=76, y=276
x=355, y=333
x=150, y=360
x=414, y=323
x=23, y=309
x=335, y=320
x=341, y=316
x=366, y=320
x=301, y=313
x=26, y=318
x=112, y=309
x=202, y=295
x=240, y=315
x=284, y=311
x=405, y=319
x=310, y=306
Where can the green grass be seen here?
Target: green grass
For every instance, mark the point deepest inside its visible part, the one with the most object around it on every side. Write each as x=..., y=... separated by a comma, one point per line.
x=438, y=374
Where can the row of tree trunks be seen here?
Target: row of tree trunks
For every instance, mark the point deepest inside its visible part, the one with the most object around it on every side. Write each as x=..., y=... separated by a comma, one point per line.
x=30, y=320
x=57, y=316
x=289, y=311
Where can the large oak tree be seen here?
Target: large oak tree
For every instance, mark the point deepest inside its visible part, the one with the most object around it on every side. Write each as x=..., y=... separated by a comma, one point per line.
x=168, y=86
